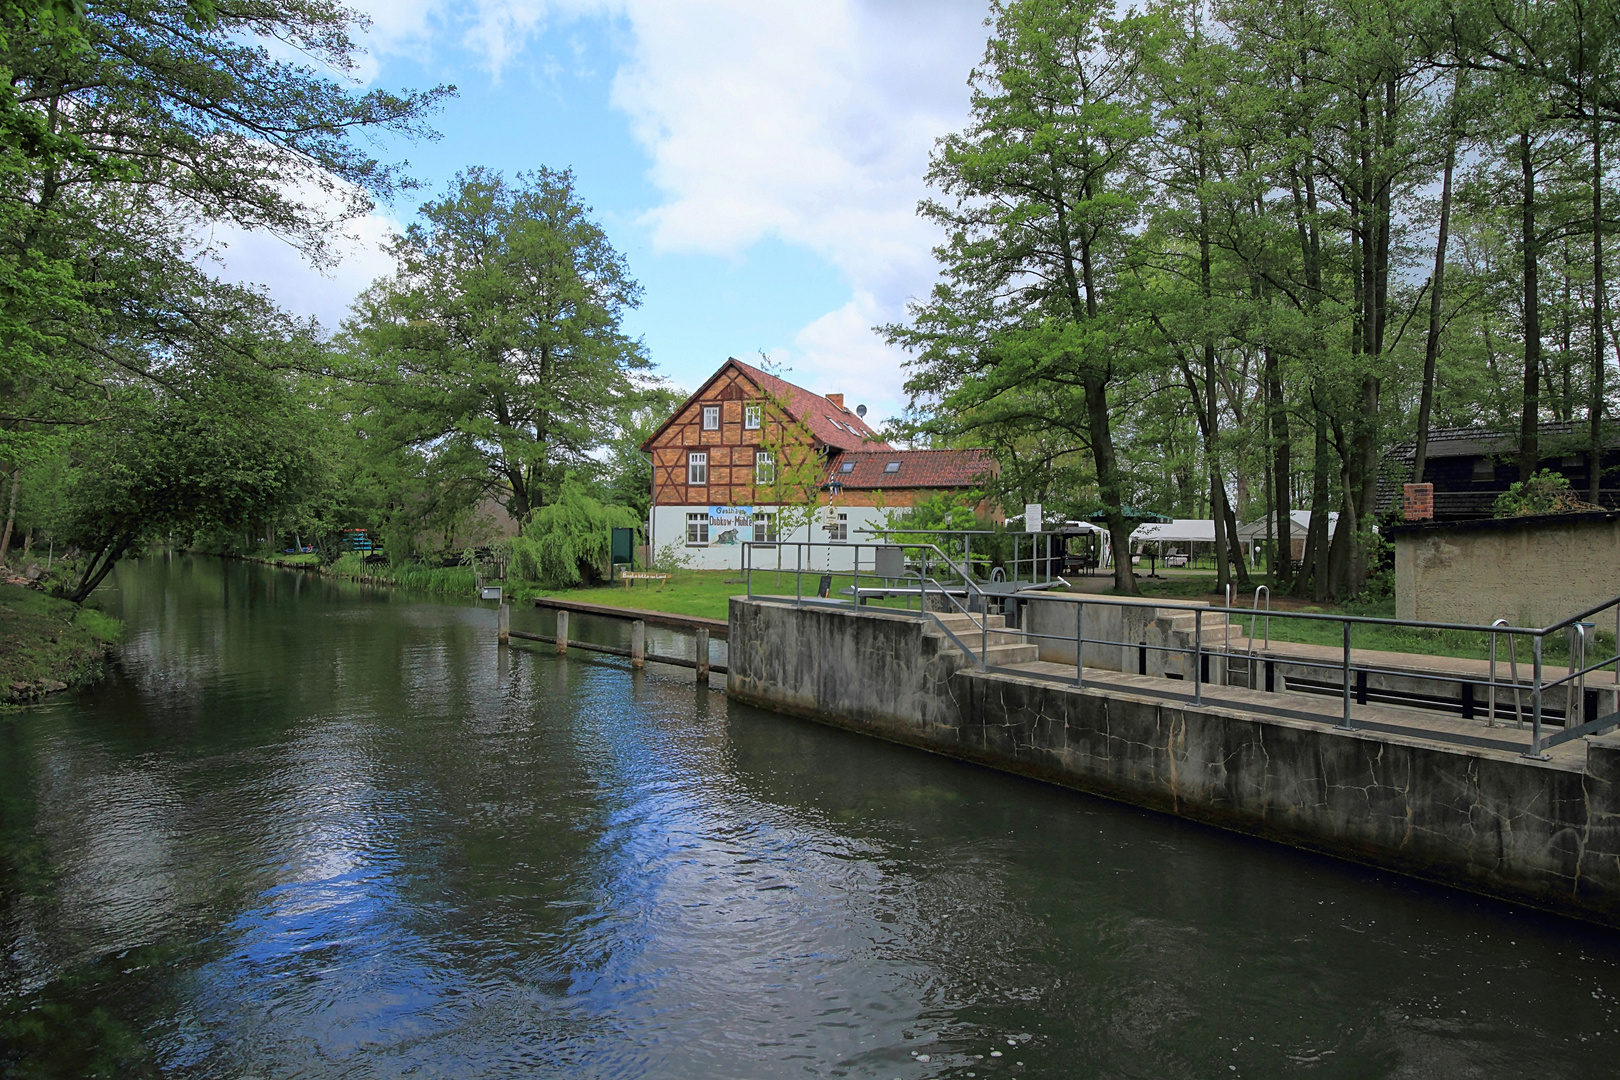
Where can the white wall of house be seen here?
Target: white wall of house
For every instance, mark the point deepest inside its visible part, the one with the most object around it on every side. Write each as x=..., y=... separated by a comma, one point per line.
x=723, y=547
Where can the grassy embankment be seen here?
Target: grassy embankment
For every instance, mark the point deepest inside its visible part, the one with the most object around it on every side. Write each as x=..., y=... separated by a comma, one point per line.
x=48, y=644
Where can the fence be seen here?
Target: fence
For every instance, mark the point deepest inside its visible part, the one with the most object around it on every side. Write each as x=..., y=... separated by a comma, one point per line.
x=907, y=572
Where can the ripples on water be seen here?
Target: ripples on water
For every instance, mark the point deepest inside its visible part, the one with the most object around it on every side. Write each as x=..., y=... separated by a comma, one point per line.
x=312, y=830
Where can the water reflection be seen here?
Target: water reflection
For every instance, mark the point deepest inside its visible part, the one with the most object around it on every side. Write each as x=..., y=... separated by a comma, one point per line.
x=315, y=829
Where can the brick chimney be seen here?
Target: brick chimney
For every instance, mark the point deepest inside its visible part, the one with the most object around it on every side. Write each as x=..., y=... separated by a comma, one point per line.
x=836, y=399
x=1418, y=501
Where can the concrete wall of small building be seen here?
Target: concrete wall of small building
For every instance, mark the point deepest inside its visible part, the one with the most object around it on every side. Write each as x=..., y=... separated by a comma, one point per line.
x=1484, y=820
x=1532, y=571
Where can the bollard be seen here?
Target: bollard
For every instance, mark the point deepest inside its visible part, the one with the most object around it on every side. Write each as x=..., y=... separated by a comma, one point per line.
x=638, y=644
x=503, y=624
x=702, y=655
x=562, y=633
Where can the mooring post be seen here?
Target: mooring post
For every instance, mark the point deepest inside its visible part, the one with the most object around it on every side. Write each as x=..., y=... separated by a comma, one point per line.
x=638, y=644
x=503, y=624
x=702, y=655
x=562, y=633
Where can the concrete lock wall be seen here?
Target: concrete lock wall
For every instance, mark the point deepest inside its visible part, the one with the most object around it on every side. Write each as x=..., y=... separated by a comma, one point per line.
x=1532, y=571
x=1485, y=820
x=1132, y=624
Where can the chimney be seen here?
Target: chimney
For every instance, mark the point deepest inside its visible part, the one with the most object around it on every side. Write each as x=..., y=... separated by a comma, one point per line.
x=836, y=399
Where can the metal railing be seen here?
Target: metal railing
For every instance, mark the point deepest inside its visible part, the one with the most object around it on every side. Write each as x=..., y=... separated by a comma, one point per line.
x=892, y=571
x=919, y=580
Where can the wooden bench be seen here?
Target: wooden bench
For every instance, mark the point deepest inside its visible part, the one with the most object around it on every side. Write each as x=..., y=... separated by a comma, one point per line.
x=628, y=576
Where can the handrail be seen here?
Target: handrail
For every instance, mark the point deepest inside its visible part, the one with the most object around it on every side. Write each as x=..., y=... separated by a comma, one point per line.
x=1572, y=684
x=1513, y=662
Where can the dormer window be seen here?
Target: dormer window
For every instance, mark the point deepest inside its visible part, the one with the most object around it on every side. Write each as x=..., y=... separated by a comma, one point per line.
x=892, y=467
x=711, y=418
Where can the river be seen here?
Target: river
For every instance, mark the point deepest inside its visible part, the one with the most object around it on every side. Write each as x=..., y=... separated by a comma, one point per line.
x=312, y=829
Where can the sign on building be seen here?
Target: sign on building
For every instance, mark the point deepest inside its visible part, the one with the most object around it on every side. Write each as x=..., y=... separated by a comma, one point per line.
x=731, y=524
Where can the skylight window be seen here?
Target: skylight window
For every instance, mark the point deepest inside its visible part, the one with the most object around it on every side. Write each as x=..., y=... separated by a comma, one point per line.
x=848, y=466
x=893, y=466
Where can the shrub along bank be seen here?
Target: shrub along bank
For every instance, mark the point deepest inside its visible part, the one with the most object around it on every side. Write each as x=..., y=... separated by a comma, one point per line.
x=48, y=644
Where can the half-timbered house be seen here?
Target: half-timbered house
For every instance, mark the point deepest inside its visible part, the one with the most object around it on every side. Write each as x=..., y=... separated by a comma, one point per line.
x=752, y=457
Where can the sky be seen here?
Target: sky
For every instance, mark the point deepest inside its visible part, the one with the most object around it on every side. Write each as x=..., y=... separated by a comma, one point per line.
x=757, y=163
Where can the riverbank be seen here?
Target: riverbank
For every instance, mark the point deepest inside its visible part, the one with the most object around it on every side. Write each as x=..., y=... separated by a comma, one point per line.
x=48, y=645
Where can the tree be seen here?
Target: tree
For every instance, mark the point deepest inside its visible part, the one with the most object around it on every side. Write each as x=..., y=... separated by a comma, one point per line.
x=224, y=443
x=498, y=339
x=1045, y=196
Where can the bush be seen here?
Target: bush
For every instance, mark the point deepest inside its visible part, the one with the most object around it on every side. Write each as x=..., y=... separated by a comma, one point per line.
x=1546, y=492
x=568, y=542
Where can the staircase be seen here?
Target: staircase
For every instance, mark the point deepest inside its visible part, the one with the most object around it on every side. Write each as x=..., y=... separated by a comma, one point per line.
x=1225, y=643
x=1006, y=647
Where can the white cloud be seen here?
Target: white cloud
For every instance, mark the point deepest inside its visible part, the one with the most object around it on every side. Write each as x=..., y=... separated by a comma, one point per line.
x=812, y=124
x=258, y=258
x=809, y=123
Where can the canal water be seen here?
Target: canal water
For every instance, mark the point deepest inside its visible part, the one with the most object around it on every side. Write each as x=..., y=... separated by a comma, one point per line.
x=311, y=829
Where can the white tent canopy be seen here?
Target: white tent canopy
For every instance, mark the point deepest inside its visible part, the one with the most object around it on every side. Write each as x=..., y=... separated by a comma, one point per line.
x=1179, y=531
x=1299, y=524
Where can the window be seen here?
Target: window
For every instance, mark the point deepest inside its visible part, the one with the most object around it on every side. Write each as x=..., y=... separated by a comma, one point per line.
x=711, y=418
x=751, y=416
x=764, y=468
x=697, y=468
x=697, y=528
x=847, y=467
x=1484, y=469
x=765, y=529
x=836, y=424
x=892, y=467
x=838, y=533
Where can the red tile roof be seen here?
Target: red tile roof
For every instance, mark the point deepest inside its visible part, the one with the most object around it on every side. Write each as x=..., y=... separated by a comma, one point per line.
x=831, y=424
x=918, y=469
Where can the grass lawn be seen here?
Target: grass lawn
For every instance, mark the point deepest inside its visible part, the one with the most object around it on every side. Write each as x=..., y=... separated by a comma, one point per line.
x=45, y=640
x=703, y=593
x=301, y=559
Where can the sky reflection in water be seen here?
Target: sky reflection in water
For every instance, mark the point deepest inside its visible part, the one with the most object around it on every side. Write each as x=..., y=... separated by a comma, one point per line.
x=317, y=830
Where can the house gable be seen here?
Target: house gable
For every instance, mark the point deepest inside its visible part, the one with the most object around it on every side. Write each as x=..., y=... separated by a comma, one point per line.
x=730, y=447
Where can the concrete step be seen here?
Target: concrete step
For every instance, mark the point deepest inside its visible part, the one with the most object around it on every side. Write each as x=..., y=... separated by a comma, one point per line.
x=955, y=620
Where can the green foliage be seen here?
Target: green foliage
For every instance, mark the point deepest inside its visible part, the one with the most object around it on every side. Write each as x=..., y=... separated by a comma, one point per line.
x=1546, y=492
x=569, y=541
x=223, y=445
x=493, y=360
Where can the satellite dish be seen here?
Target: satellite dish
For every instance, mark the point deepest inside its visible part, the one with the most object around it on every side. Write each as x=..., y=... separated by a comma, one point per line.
x=860, y=411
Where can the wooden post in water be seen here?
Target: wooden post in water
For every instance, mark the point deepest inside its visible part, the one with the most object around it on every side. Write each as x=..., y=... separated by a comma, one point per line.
x=562, y=633
x=638, y=644
x=702, y=655
x=503, y=624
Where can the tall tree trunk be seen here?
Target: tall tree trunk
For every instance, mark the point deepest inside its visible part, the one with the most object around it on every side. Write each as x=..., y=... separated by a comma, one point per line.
x=1314, y=577
x=11, y=512
x=1281, y=498
x=1102, y=452
x=1530, y=416
x=1431, y=348
x=1594, y=409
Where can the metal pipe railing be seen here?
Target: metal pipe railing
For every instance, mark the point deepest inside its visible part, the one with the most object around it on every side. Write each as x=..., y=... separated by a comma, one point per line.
x=1573, y=682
